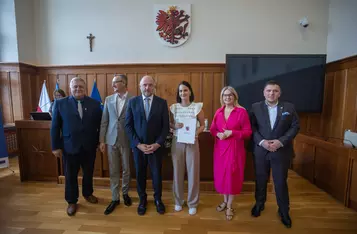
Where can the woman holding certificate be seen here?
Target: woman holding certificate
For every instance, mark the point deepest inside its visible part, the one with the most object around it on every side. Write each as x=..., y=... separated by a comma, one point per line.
x=187, y=120
x=230, y=126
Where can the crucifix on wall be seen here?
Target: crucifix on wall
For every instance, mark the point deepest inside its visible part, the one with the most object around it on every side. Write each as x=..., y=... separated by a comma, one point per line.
x=90, y=37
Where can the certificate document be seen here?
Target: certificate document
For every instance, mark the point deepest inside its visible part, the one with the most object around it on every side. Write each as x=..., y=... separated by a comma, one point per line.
x=187, y=134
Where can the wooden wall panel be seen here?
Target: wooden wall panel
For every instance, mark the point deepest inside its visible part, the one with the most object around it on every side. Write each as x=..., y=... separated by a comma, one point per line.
x=340, y=102
x=18, y=89
x=5, y=96
x=207, y=80
x=323, y=163
x=304, y=160
x=16, y=104
x=352, y=191
x=350, y=109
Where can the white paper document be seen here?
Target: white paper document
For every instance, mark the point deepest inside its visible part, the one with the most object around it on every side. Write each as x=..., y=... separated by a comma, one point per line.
x=187, y=134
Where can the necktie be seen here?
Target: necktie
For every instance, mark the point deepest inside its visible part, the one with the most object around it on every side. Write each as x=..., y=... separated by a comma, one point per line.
x=147, y=107
x=80, y=109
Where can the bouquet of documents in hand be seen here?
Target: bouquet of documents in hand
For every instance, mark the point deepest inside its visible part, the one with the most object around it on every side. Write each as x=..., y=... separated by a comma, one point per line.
x=187, y=134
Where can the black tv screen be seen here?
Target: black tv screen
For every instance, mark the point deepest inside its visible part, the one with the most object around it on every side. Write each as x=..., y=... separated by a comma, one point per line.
x=301, y=78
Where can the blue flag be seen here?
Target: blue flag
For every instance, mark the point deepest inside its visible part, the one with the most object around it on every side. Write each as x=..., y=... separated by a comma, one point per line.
x=57, y=86
x=4, y=160
x=95, y=94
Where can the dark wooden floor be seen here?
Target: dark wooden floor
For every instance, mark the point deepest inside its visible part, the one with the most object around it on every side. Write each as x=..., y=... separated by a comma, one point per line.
x=40, y=208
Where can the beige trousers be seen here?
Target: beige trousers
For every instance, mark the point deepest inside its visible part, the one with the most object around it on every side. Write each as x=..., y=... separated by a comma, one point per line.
x=190, y=155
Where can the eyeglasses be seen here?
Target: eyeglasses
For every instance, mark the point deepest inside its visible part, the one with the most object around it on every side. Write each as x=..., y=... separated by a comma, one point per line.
x=227, y=95
x=118, y=81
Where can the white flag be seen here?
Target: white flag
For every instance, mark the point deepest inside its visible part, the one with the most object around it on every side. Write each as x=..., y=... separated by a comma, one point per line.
x=45, y=102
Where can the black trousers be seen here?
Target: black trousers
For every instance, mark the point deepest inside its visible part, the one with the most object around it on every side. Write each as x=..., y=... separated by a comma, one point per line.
x=72, y=163
x=279, y=163
x=155, y=162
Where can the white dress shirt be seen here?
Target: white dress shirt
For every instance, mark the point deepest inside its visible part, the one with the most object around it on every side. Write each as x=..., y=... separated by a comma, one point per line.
x=273, y=113
x=120, y=100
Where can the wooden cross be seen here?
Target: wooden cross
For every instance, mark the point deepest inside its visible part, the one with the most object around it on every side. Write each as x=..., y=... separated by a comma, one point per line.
x=90, y=37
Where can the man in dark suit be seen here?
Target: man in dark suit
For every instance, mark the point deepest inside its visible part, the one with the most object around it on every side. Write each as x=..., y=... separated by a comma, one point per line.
x=147, y=125
x=274, y=125
x=75, y=135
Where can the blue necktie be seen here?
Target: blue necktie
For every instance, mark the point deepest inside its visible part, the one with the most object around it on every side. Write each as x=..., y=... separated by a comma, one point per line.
x=147, y=107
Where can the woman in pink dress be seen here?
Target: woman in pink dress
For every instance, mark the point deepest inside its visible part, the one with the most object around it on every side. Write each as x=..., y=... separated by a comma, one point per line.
x=230, y=126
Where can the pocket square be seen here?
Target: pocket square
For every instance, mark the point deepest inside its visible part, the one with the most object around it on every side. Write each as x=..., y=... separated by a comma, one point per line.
x=285, y=113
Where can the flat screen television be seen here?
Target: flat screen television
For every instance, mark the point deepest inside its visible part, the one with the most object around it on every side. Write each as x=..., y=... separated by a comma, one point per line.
x=301, y=78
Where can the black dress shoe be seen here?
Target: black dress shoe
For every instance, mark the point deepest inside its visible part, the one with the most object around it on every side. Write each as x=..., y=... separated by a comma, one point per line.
x=285, y=219
x=160, y=207
x=142, y=207
x=257, y=209
x=111, y=207
x=127, y=200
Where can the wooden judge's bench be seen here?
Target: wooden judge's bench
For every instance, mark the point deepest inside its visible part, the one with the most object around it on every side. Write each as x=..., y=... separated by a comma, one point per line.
x=37, y=163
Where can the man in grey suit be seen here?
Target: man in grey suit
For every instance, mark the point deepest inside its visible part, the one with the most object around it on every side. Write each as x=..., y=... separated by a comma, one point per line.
x=275, y=124
x=112, y=134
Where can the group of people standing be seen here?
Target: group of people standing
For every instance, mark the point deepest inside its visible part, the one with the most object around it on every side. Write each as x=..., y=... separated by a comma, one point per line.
x=140, y=125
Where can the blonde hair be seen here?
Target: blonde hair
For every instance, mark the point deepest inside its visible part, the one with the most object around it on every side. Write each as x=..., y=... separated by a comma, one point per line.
x=233, y=91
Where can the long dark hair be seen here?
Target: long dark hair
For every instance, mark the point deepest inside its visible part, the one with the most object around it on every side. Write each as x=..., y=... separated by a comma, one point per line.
x=185, y=83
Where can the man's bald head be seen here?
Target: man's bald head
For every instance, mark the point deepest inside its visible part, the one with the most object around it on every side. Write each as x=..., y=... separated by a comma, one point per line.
x=147, y=86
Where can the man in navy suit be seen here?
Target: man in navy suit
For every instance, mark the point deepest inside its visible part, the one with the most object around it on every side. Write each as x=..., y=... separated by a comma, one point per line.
x=275, y=124
x=75, y=135
x=147, y=126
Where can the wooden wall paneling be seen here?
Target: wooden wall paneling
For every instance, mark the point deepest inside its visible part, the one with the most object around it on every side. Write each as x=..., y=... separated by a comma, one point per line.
x=350, y=108
x=195, y=81
x=51, y=84
x=109, y=88
x=218, y=83
x=132, y=83
x=167, y=83
x=304, y=160
x=26, y=95
x=16, y=95
x=62, y=82
x=303, y=119
x=331, y=169
x=338, y=104
x=5, y=97
x=352, y=190
x=326, y=115
x=207, y=93
x=315, y=124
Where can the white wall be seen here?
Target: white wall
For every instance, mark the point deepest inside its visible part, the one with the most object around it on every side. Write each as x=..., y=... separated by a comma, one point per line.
x=342, y=32
x=124, y=30
x=8, y=38
x=26, y=31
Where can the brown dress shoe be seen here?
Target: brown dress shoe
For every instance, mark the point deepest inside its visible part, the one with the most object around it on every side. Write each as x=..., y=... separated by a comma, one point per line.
x=91, y=199
x=71, y=209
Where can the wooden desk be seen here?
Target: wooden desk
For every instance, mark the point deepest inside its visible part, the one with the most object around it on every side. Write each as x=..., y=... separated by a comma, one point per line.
x=36, y=161
x=38, y=164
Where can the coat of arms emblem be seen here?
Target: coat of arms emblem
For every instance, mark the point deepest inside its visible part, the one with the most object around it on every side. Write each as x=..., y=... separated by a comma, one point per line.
x=173, y=24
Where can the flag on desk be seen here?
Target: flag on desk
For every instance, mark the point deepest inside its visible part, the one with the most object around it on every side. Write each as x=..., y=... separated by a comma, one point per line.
x=45, y=102
x=95, y=94
x=4, y=160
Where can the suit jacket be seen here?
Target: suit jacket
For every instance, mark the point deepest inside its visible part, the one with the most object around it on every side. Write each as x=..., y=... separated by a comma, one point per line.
x=68, y=131
x=285, y=128
x=153, y=130
x=112, y=127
